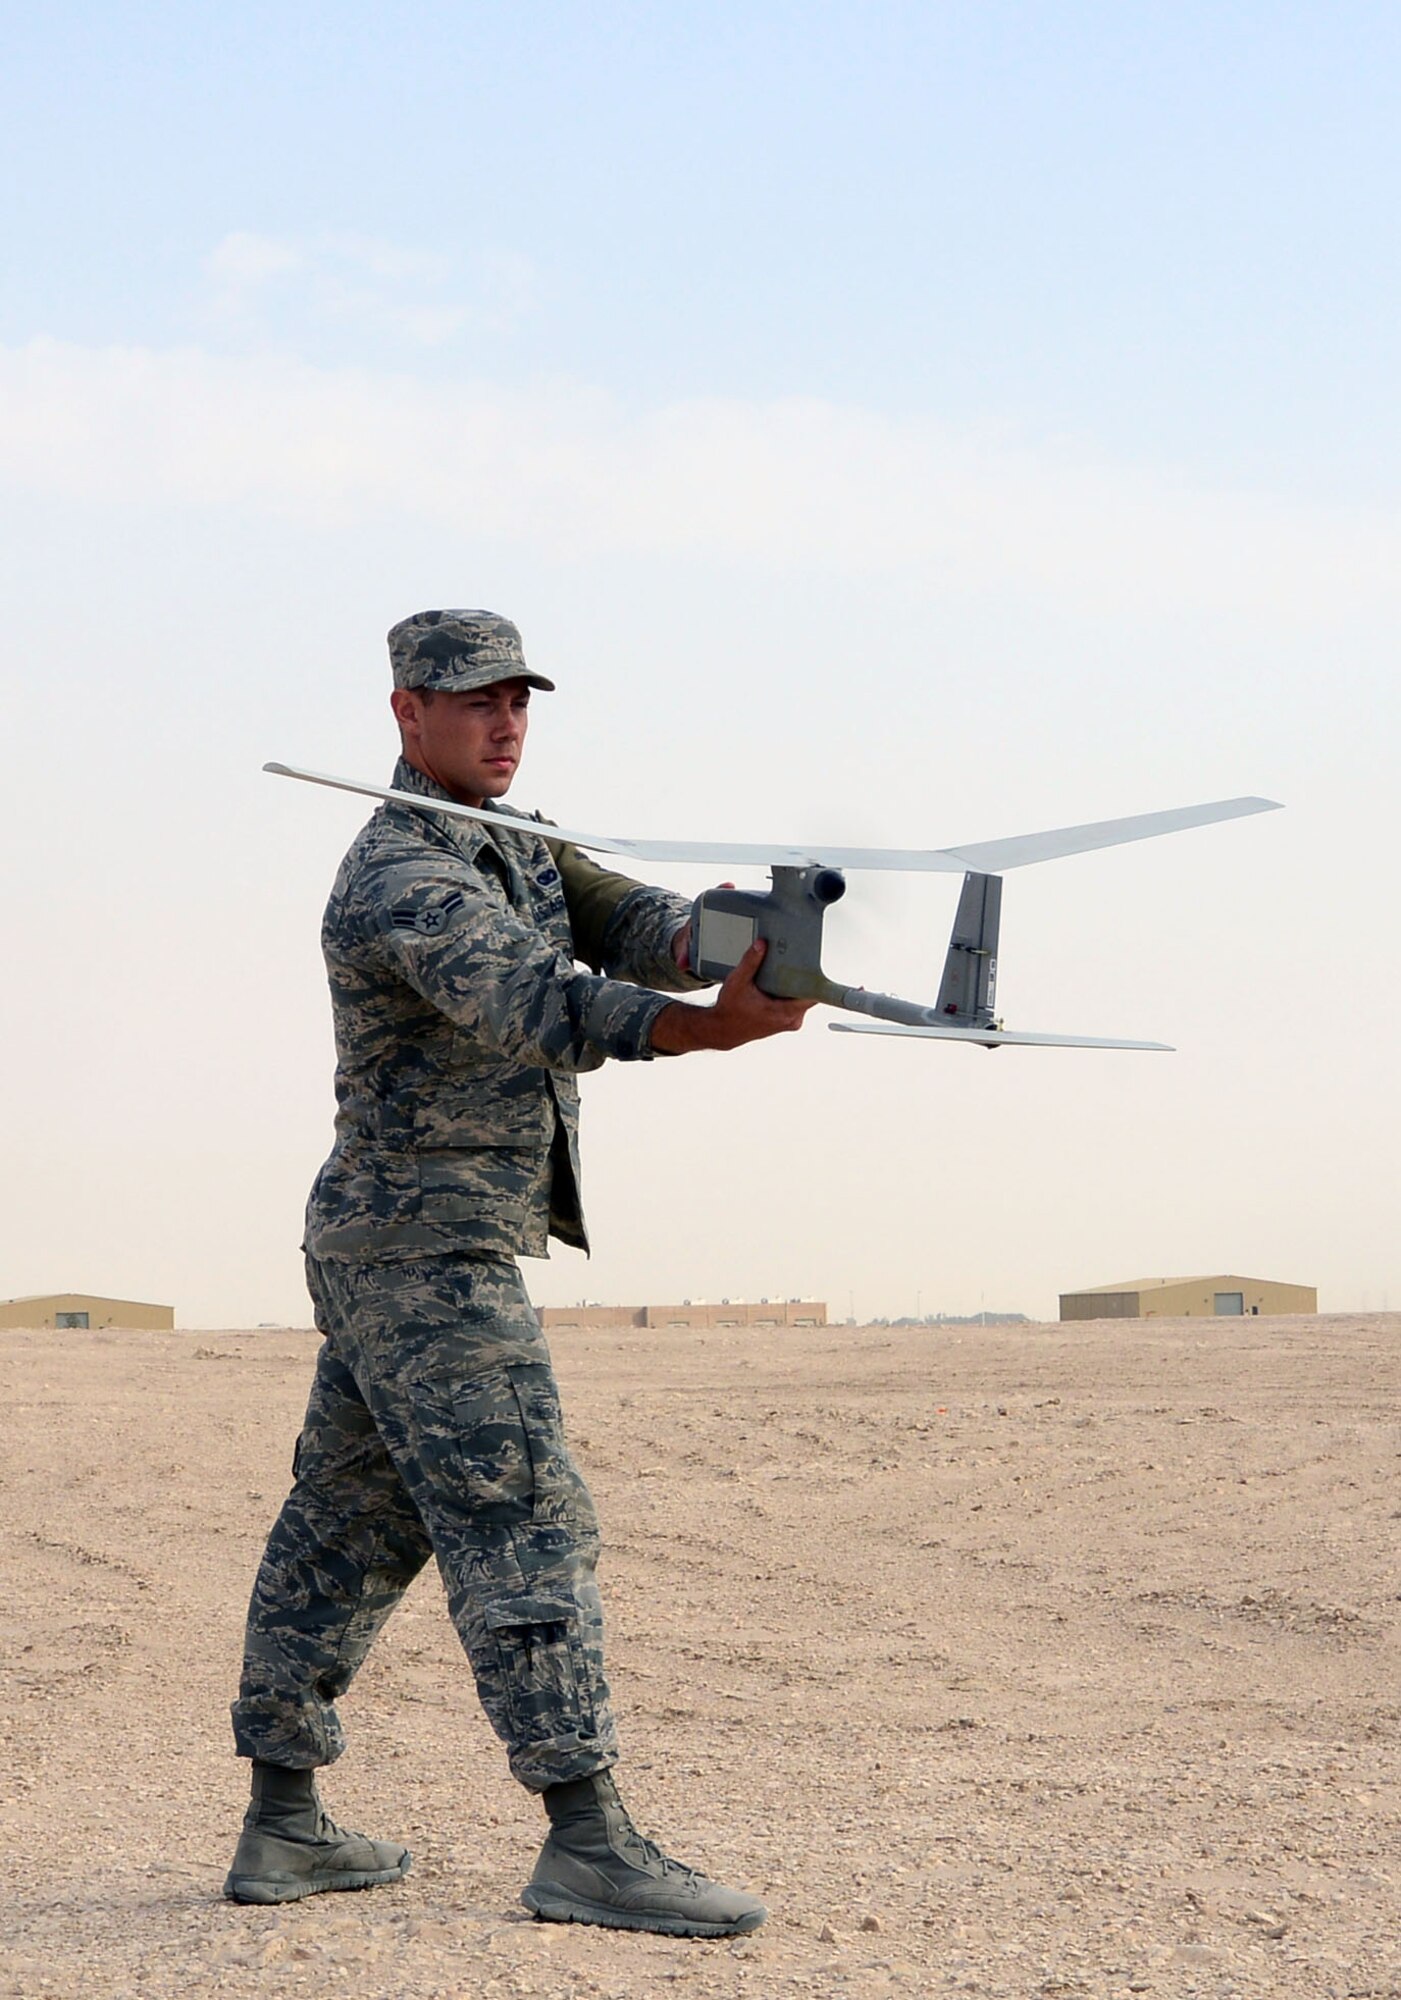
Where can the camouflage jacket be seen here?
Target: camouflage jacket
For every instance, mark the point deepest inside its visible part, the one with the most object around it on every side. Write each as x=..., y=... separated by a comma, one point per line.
x=461, y=1024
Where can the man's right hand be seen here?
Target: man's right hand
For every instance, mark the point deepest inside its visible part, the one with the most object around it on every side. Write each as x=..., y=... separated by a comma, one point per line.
x=740, y=1013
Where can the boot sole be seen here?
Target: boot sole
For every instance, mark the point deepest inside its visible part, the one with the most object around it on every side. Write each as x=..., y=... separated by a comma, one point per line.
x=261, y=1889
x=554, y=1906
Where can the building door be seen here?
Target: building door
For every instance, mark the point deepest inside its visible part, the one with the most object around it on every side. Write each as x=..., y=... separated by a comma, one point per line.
x=70, y=1319
x=1229, y=1302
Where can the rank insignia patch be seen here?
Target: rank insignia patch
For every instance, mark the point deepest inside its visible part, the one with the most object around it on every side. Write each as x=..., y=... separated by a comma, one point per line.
x=431, y=921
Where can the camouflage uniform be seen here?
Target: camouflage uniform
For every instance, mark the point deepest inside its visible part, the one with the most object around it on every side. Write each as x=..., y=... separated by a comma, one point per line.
x=434, y=1424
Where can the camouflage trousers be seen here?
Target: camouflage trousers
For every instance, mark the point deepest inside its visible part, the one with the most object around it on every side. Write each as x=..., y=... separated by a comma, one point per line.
x=433, y=1428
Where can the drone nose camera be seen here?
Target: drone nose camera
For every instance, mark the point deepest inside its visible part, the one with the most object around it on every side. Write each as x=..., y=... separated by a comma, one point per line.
x=828, y=885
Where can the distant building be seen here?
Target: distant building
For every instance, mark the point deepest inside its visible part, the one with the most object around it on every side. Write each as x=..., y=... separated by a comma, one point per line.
x=967, y=1319
x=701, y=1312
x=1188, y=1298
x=83, y=1309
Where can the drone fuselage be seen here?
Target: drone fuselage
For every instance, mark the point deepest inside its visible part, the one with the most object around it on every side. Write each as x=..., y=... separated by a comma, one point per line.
x=726, y=922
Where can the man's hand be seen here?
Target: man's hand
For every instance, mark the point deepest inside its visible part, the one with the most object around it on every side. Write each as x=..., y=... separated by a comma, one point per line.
x=740, y=1013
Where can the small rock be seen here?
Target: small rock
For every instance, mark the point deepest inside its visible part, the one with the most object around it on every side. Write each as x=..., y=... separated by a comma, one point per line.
x=1193, y=1954
x=828, y=1936
x=869, y=1924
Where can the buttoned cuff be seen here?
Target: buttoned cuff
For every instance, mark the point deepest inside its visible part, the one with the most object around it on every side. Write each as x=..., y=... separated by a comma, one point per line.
x=620, y=1020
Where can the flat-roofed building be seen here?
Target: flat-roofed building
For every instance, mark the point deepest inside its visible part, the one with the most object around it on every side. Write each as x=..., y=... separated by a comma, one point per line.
x=692, y=1312
x=83, y=1309
x=1228, y=1296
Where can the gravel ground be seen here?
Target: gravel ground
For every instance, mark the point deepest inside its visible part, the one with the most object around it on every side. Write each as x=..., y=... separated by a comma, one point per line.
x=1029, y=1661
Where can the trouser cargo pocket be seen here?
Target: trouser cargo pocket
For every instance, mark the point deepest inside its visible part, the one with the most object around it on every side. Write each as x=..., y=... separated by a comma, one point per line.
x=545, y=1677
x=503, y=1432
x=513, y=1467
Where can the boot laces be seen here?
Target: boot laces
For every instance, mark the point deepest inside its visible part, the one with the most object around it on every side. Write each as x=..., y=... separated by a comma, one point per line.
x=652, y=1855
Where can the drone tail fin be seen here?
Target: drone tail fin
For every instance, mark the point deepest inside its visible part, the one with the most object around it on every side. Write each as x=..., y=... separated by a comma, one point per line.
x=968, y=989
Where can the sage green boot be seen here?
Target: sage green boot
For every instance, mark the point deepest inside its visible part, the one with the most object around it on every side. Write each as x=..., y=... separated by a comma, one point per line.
x=289, y=1848
x=596, y=1868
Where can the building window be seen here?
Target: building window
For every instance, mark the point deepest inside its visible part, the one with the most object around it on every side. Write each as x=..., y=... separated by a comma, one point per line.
x=70, y=1319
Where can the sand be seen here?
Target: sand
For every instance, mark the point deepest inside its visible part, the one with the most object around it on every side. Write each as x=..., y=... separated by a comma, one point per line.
x=1033, y=1661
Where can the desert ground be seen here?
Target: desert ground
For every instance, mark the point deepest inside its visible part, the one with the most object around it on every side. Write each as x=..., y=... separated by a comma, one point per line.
x=1010, y=1661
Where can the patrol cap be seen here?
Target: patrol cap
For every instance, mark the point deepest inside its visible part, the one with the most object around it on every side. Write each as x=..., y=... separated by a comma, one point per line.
x=457, y=650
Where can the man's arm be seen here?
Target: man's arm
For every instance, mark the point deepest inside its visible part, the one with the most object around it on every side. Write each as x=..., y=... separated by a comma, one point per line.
x=622, y=927
x=458, y=943
x=644, y=934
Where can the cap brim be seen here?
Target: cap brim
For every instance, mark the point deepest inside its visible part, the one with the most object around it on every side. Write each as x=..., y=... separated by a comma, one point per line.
x=464, y=683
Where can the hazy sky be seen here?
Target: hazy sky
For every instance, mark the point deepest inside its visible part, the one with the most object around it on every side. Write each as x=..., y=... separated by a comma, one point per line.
x=902, y=423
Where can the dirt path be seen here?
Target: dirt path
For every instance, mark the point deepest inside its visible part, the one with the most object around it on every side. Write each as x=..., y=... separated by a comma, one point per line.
x=1047, y=1661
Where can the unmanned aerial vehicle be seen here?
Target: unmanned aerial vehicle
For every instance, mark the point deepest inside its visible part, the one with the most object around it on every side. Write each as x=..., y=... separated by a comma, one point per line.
x=807, y=880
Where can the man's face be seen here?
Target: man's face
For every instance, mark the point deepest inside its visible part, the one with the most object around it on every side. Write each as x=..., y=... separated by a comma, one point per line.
x=469, y=743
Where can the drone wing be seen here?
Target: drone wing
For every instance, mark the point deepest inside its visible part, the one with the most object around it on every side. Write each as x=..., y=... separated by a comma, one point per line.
x=989, y=857
x=991, y=1038
x=994, y=857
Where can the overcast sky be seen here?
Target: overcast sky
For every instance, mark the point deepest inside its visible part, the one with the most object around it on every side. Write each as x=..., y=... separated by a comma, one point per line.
x=900, y=424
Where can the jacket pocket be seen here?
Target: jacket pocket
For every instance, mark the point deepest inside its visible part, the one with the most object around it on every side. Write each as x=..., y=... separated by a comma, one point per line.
x=482, y=1164
x=492, y=1109
x=492, y=1199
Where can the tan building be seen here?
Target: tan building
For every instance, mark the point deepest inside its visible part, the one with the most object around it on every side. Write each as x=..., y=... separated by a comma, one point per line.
x=697, y=1312
x=1188, y=1298
x=80, y=1309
